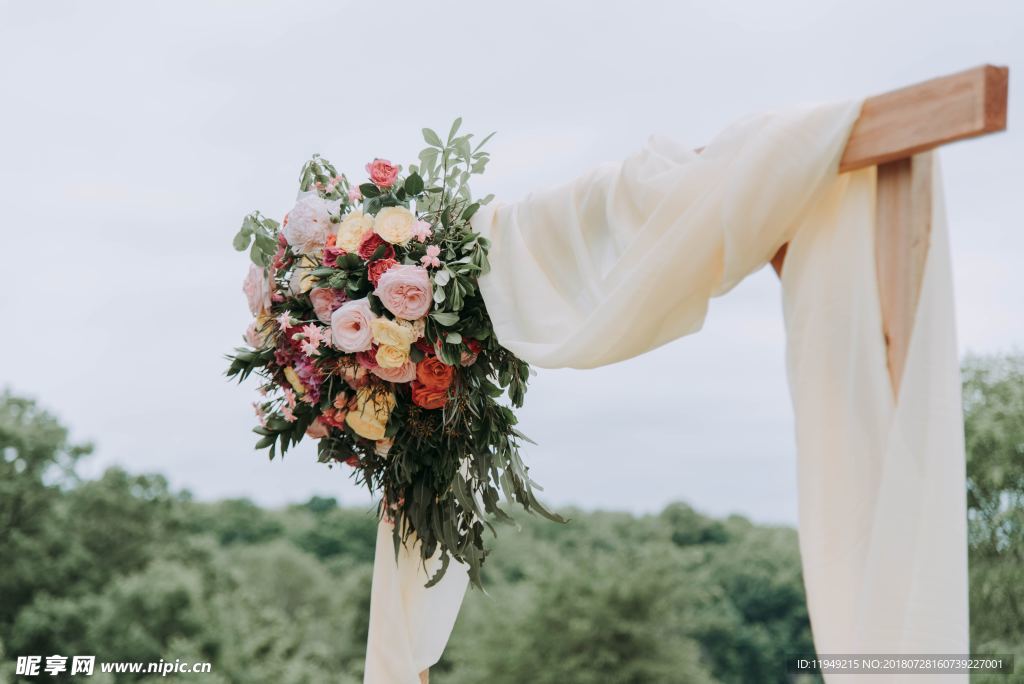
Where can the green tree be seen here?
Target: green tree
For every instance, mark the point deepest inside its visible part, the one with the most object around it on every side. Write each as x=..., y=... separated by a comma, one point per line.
x=994, y=430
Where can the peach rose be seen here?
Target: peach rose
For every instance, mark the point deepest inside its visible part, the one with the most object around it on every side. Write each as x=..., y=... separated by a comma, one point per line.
x=325, y=301
x=257, y=290
x=369, y=419
x=405, y=291
x=350, y=326
x=404, y=373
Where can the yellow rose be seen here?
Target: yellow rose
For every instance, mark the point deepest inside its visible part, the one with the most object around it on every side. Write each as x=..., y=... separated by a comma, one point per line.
x=392, y=333
x=392, y=357
x=394, y=224
x=364, y=427
x=293, y=379
x=369, y=418
x=416, y=328
x=301, y=281
x=353, y=230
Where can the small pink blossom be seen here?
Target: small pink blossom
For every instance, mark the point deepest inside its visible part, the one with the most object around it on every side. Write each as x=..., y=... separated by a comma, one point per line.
x=284, y=320
x=430, y=258
x=288, y=414
x=260, y=415
x=311, y=333
x=354, y=194
x=421, y=230
x=289, y=396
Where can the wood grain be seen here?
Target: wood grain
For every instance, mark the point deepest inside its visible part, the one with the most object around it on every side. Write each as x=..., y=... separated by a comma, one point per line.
x=903, y=222
x=923, y=116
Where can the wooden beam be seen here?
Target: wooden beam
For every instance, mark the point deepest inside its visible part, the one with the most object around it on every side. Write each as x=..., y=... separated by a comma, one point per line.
x=921, y=117
x=903, y=222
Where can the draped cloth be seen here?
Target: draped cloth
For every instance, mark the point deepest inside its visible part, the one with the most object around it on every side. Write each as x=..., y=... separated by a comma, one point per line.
x=625, y=259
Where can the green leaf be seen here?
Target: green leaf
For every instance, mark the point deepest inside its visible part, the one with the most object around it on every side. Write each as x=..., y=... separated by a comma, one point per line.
x=432, y=138
x=462, y=147
x=445, y=318
x=470, y=210
x=453, y=338
x=369, y=190
x=241, y=241
x=454, y=129
x=414, y=184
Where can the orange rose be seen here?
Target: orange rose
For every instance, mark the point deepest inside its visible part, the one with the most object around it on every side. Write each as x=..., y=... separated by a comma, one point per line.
x=428, y=397
x=434, y=374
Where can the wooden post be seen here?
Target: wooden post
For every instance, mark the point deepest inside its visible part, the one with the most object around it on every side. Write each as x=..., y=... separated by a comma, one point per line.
x=903, y=221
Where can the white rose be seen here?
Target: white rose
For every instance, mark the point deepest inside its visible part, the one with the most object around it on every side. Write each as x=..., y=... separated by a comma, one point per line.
x=309, y=224
x=394, y=224
x=353, y=230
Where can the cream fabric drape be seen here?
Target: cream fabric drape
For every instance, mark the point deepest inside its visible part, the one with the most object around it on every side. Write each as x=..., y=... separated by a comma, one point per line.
x=409, y=624
x=625, y=259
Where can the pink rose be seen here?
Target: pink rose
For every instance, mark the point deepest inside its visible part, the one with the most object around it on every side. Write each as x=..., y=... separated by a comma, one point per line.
x=326, y=301
x=403, y=373
x=405, y=291
x=382, y=172
x=257, y=290
x=350, y=326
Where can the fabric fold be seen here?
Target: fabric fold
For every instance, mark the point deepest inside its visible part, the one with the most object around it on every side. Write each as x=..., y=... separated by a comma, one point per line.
x=409, y=623
x=626, y=258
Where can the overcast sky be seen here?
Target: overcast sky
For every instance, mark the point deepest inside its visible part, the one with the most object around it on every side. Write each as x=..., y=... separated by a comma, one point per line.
x=135, y=136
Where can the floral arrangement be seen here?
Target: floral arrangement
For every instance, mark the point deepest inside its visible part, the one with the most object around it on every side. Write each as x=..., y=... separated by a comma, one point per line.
x=370, y=336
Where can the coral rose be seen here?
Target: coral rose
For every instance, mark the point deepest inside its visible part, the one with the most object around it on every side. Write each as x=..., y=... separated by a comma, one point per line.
x=428, y=398
x=382, y=172
x=434, y=374
x=394, y=224
x=405, y=291
x=377, y=268
x=370, y=245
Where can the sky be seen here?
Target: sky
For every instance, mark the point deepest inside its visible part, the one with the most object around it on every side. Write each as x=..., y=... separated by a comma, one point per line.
x=134, y=137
